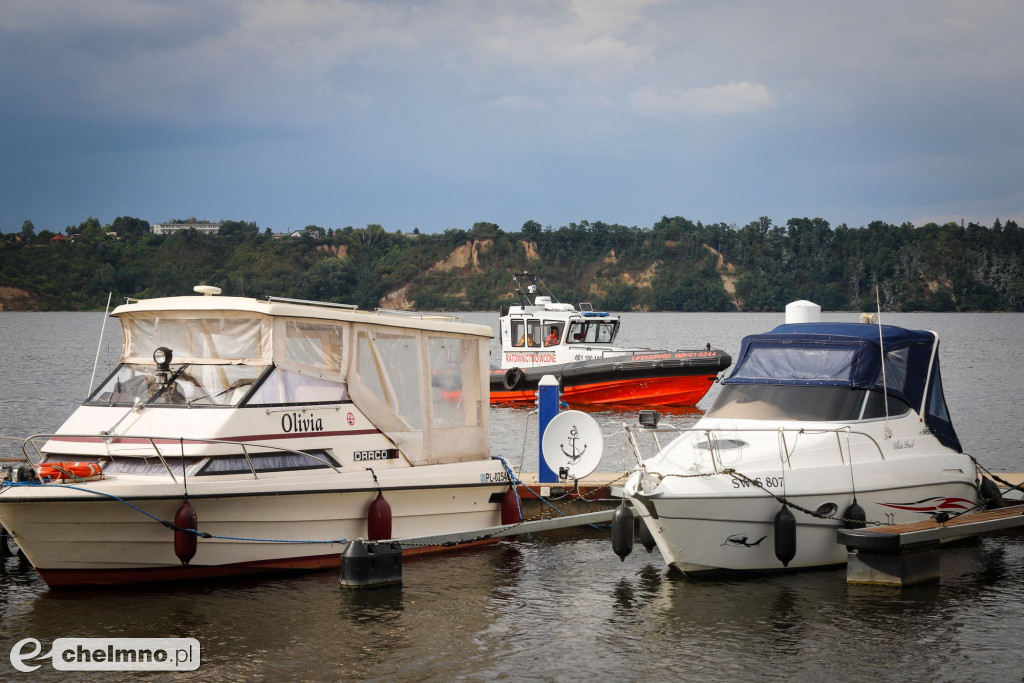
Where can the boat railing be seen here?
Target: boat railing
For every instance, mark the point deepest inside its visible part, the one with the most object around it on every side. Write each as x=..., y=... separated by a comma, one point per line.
x=788, y=441
x=307, y=302
x=10, y=449
x=380, y=311
x=246, y=449
x=420, y=315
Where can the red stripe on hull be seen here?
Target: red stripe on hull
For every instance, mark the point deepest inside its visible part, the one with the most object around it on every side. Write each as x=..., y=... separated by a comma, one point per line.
x=251, y=437
x=62, y=578
x=656, y=391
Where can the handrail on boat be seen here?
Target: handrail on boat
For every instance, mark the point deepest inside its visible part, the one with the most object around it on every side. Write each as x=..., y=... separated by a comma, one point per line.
x=379, y=311
x=717, y=464
x=7, y=443
x=242, y=445
x=420, y=315
x=307, y=302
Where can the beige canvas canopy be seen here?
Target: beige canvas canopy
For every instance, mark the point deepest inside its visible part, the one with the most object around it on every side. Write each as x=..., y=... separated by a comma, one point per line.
x=420, y=379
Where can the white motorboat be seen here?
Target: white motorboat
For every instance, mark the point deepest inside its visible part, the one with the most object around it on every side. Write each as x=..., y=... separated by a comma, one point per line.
x=802, y=441
x=239, y=436
x=542, y=336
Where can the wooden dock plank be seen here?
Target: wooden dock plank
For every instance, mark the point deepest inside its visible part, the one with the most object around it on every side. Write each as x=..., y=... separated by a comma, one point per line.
x=896, y=537
x=960, y=520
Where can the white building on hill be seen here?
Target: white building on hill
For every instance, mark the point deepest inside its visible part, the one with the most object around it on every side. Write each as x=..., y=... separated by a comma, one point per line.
x=168, y=228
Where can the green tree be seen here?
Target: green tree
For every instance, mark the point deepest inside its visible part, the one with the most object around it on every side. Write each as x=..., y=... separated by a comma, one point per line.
x=127, y=226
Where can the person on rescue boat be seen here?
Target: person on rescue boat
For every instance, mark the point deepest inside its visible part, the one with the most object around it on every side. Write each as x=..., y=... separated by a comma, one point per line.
x=552, y=338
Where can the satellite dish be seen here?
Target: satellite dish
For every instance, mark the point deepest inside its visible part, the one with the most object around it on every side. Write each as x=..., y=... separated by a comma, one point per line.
x=206, y=290
x=573, y=441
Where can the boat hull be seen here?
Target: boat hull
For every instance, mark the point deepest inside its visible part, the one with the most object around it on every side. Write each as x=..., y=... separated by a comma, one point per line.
x=77, y=538
x=667, y=379
x=721, y=533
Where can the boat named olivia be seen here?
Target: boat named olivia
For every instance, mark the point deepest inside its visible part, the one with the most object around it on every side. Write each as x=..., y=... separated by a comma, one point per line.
x=239, y=436
x=296, y=423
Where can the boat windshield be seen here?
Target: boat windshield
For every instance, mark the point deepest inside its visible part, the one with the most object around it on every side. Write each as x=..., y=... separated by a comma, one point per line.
x=186, y=384
x=592, y=332
x=807, y=403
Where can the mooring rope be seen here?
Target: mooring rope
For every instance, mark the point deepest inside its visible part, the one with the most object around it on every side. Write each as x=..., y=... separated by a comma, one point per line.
x=516, y=480
x=995, y=477
x=795, y=506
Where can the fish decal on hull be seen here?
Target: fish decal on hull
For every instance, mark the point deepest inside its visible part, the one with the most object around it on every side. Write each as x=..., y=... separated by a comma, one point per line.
x=742, y=541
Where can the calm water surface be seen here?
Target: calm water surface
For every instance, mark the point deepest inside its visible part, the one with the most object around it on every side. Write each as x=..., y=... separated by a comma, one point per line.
x=550, y=609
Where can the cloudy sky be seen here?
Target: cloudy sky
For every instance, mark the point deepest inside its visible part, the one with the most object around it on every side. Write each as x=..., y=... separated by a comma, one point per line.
x=439, y=114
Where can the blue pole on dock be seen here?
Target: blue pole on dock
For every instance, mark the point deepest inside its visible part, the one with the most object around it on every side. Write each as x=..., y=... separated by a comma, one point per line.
x=547, y=405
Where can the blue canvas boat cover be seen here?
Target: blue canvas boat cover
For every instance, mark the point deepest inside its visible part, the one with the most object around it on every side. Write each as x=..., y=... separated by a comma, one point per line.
x=836, y=354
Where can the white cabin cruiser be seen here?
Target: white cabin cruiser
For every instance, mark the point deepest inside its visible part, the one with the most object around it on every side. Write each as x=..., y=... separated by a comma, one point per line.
x=801, y=442
x=240, y=436
x=541, y=336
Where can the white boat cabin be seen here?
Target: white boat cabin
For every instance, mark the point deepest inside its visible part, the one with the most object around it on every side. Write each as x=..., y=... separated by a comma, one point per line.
x=421, y=380
x=552, y=333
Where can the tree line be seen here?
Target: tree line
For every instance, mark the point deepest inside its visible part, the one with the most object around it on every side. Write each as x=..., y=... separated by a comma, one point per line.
x=674, y=265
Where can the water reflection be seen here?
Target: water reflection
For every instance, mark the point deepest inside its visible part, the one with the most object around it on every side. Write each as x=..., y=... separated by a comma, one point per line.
x=520, y=607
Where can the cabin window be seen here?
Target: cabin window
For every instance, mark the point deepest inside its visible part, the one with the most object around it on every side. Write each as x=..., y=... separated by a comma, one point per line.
x=208, y=338
x=592, y=332
x=193, y=385
x=937, y=399
x=553, y=332
x=268, y=462
x=534, y=333
x=129, y=382
x=896, y=364
x=451, y=358
x=313, y=345
x=152, y=466
x=874, y=407
x=285, y=387
x=818, y=362
x=518, y=333
x=210, y=385
x=788, y=402
x=393, y=373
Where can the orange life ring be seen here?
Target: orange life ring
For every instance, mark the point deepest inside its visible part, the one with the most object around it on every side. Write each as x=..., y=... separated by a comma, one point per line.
x=69, y=470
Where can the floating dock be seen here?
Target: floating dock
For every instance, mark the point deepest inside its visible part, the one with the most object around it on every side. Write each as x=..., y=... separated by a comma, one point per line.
x=909, y=554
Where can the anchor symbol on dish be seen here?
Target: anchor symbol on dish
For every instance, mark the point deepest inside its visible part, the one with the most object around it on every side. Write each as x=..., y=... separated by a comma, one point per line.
x=573, y=438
